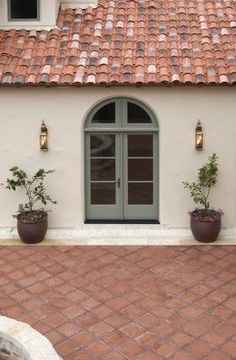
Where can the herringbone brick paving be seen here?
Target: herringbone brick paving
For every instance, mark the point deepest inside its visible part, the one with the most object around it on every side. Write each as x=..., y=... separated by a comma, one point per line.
x=117, y=303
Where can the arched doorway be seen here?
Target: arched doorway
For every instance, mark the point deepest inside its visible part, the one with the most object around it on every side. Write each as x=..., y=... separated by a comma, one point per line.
x=121, y=157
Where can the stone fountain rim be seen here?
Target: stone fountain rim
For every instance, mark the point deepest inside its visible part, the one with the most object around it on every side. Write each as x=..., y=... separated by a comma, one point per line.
x=27, y=339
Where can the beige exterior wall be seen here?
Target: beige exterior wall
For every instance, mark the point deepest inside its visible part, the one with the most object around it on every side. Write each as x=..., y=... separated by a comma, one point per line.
x=48, y=16
x=65, y=110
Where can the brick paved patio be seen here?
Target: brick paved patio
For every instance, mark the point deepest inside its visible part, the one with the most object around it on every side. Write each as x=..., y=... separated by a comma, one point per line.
x=117, y=303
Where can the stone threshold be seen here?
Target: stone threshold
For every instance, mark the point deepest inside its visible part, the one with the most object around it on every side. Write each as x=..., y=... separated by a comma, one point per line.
x=120, y=234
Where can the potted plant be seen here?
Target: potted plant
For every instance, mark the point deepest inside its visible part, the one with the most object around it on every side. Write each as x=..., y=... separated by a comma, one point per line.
x=31, y=223
x=205, y=222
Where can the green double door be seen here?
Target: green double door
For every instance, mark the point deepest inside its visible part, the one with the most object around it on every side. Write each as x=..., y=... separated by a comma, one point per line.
x=121, y=175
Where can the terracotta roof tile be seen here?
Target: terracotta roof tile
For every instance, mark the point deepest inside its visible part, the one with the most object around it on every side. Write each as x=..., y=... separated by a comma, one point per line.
x=137, y=42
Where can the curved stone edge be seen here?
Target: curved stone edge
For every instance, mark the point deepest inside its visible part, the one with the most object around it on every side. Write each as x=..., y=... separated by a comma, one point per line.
x=30, y=341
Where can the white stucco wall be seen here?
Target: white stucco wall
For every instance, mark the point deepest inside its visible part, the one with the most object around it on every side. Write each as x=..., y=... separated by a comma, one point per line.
x=64, y=111
x=48, y=12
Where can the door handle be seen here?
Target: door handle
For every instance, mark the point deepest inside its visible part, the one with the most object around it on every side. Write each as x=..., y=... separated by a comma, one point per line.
x=118, y=182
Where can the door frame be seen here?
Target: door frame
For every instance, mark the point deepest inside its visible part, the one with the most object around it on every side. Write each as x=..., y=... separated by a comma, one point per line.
x=119, y=127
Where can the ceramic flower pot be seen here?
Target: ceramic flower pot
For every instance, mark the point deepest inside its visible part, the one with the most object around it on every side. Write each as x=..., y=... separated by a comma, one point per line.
x=205, y=231
x=32, y=232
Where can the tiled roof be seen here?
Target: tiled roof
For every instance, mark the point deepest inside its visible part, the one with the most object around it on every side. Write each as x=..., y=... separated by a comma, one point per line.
x=131, y=42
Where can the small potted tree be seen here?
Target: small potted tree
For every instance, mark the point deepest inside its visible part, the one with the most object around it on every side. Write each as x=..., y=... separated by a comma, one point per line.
x=32, y=223
x=205, y=222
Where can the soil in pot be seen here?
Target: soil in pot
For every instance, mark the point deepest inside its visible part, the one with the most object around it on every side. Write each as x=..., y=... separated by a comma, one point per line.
x=32, y=226
x=205, y=225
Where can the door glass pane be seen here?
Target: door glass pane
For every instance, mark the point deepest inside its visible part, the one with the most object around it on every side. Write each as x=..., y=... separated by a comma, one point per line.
x=103, y=169
x=103, y=193
x=140, y=169
x=105, y=115
x=140, y=145
x=140, y=193
x=102, y=145
x=137, y=115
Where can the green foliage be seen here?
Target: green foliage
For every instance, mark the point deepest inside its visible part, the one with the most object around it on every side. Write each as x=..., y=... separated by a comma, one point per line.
x=33, y=187
x=207, y=178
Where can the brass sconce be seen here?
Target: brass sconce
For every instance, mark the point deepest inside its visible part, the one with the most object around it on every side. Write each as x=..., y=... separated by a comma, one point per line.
x=43, y=138
x=199, y=136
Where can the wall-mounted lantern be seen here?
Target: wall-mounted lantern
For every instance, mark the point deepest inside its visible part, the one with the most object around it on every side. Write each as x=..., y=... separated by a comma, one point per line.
x=43, y=137
x=199, y=136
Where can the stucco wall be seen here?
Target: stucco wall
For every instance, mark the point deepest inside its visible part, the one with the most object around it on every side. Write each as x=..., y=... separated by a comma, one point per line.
x=48, y=12
x=64, y=111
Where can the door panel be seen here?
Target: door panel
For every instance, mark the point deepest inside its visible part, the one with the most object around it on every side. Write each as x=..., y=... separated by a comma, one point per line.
x=121, y=176
x=121, y=161
x=140, y=176
x=102, y=174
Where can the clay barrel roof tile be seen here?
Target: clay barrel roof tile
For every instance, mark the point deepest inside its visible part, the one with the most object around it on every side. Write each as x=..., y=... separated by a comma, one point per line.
x=137, y=42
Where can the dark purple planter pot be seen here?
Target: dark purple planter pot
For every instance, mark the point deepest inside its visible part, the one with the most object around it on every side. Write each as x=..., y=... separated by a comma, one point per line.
x=32, y=233
x=205, y=232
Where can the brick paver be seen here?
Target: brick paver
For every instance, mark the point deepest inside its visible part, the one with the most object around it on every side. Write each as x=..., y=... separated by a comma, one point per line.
x=120, y=303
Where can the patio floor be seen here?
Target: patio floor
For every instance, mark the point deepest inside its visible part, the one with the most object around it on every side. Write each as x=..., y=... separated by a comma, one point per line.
x=117, y=303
